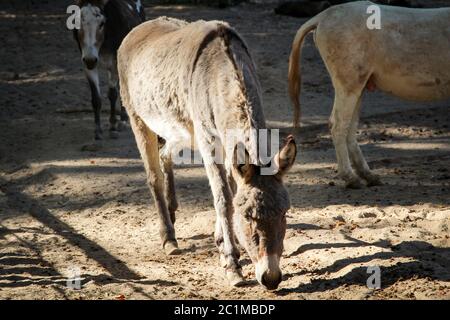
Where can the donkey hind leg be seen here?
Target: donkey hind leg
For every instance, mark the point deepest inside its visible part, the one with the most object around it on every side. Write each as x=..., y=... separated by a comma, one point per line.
x=224, y=235
x=147, y=142
x=113, y=82
x=123, y=124
x=94, y=84
x=169, y=180
x=356, y=155
x=340, y=121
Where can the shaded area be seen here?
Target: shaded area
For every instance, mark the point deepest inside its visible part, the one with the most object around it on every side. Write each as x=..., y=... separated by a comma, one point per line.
x=309, y=8
x=425, y=259
x=20, y=269
x=358, y=276
x=24, y=203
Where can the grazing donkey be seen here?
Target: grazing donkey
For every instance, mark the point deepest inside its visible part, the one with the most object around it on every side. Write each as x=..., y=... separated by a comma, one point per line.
x=104, y=24
x=181, y=81
x=408, y=57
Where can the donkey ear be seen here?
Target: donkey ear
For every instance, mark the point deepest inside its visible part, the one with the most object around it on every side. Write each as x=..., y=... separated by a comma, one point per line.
x=285, y=158
x=242, y=164
x=104, y=2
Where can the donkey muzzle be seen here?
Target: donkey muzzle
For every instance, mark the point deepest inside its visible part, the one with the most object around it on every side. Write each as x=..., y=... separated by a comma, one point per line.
x=271, y=280
x=268, y=272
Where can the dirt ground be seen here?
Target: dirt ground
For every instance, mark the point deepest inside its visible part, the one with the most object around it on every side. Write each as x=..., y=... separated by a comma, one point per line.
x=63, y=208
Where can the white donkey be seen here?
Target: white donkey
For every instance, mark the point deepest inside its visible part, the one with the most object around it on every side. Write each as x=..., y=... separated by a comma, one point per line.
x=408, y=57
x=196, y=80
x=104, y=24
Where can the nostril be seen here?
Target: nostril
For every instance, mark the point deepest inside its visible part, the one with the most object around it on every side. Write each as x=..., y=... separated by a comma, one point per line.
x=263, y=280
x=280, y=277
x=90, y=62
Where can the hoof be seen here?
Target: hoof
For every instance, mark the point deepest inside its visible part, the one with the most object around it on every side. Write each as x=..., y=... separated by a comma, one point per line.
x=98, y=135
x=113, y=134
x=96, y=146
x=354, y=183
x=374, y=181
x=235, y=278
x=123, y=125
x=237, y=254
x=171, y=248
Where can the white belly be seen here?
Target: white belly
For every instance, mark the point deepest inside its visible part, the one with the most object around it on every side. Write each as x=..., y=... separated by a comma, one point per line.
x=176, y=134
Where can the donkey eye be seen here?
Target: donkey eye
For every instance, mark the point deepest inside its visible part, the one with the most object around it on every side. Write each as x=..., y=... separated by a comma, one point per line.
x=102, y=24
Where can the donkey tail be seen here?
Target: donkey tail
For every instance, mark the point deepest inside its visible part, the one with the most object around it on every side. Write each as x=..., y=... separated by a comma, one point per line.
x=294, y=66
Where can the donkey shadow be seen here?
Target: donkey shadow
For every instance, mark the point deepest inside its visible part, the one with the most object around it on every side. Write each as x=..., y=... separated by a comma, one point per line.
x=428, y=262
x=27, y=266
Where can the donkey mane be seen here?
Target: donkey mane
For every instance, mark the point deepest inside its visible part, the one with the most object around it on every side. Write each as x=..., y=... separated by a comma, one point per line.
x=224, y=31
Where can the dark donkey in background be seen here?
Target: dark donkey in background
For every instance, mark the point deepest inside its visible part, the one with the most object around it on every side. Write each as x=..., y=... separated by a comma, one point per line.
x=104, y=24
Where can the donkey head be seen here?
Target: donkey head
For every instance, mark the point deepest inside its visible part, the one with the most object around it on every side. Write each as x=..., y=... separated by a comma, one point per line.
x=91, y=34
x=260, y=205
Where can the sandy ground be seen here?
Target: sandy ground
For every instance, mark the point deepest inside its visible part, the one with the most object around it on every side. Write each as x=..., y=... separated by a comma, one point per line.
x=62, y=208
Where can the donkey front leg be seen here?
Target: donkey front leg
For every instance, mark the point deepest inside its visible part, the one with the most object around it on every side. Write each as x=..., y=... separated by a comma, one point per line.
x=224, y=236
x=223, y=204
x=94, y=84
x=112, y=95
x=147, y=142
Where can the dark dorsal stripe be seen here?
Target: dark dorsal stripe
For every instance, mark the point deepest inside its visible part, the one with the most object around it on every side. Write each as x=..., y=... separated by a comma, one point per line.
x=224, y=32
